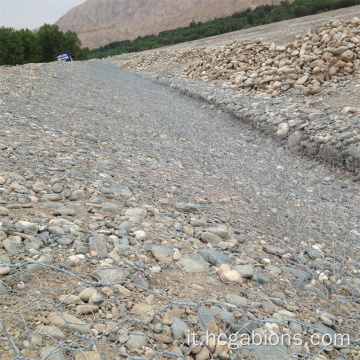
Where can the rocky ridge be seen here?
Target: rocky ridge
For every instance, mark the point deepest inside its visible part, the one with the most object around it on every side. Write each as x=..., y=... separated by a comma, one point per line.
x=99, y=22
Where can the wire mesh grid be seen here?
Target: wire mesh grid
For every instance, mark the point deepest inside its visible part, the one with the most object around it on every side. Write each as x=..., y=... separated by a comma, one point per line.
x=86, y=282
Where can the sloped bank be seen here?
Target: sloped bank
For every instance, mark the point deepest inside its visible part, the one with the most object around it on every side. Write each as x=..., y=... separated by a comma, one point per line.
x=270, y=87
x=316, y=132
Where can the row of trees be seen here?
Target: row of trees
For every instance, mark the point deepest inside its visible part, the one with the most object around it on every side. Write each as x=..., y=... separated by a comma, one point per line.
x=262, y=15
x=25, y=46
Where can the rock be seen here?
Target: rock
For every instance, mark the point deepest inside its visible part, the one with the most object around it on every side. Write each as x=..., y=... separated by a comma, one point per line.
x=86, y=309
x=232, y=276
x=194, y=264
x=35, y=268
x=168, y=318
x=143, y=311
x=111, y=275
x=220, y=231
x=269, y=352
x=295, y=327
x=283, y=129
x=142, y=282
x=4, y=270
x=208, y=237
x=204, y=354
x=349, y=109
x=108, y=206
x=187, y=207
x=136, y=341
x=205, y=315
x=10, y=247
x=98, y=243
x=86, y=294
x=236, y=300
x=162, y=253
x=294, y=139
x=226, y=316
x=140, y=235
x=88, y=355
x=53, y=331
x=347, y=55
x=244, y=327
x=215, y=258
x=273, y=250
x=246, y=271
x=52, y=353
x=178, y=328
x=136, y=211
x=69, y=321
x=260, y=278
x=39, y=186
x=302, y=80
x=3, y=290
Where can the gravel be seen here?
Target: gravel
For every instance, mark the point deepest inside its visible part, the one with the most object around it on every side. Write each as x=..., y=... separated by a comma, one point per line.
x=163, y=188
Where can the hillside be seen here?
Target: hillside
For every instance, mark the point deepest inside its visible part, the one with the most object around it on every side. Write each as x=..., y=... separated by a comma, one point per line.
x=99, y=22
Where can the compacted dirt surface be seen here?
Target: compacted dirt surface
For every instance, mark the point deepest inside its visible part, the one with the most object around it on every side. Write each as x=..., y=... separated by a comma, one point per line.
x=138, y=222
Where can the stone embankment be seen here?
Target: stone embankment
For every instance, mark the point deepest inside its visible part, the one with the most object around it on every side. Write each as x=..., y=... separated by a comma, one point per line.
x=306, y=93
x=140, y=224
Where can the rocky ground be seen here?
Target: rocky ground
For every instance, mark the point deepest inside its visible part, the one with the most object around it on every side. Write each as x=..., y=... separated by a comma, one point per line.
x=135, y=219
x=316, y=76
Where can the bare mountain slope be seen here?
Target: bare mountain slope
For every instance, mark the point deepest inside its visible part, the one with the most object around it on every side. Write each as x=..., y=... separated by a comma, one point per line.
x=99, y=22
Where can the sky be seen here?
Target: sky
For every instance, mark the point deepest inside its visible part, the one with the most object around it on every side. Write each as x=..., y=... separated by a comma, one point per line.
x=31, y=14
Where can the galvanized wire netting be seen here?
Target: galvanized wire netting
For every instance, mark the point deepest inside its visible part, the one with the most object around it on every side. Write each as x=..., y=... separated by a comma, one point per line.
x=118, y=262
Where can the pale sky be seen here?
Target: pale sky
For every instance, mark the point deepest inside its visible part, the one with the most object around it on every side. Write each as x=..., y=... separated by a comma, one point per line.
x=31, y=14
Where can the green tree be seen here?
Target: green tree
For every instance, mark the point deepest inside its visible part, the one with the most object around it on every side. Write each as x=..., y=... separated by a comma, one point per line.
x=50, y=41
x=11, y=49
x=30, y=46
x=71, y=43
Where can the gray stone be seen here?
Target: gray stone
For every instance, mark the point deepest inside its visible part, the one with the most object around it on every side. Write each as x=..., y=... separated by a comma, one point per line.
x=215, y=258
x=244, y=327
x=273, y=250
x=300, y=274
x=205, y=315
x=295, y=327
x=228, y=317
x=193, y=264
x=110, y=206
x=162, y=253
x=294, y=140
x=178, y=328
x=137, y=340
x=142, y=282
x=3, y=289
x=10, y=247
x=69, y=321
x=260, y=278
x=236, y=300
x=208, y=237
x=314, y=254
x=199, y=223
x=326, y=330
x=35, y=268
x=98, y=244
x=246, y=271
x=64, y=241
x=269, y=352
x=187, y=207
x=86, y=294
x=111, y=275
x=4, y=270
x=52, y=353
